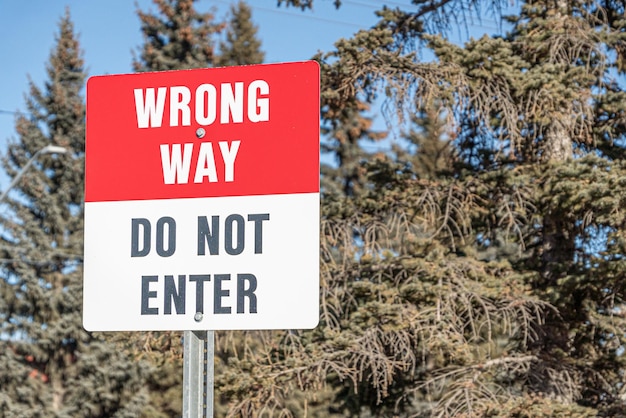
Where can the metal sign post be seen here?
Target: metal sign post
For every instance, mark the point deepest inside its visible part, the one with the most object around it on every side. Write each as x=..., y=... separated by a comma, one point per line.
x=198, y=373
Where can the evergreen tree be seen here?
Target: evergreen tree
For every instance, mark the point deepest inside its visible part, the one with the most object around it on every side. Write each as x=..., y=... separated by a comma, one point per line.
x=49, y=365
x=241, y=47
x=347, y=129
x=429, y=152
x=489, y=286
x=178, y=37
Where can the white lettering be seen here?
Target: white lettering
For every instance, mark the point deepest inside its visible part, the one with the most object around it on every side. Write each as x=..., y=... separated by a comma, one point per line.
x=176, y=166
x=258, y=108
x=232, y=102
x=206, y=93
x=206, y=164
x=229, y=155
x=179, y=103
x=150, y=111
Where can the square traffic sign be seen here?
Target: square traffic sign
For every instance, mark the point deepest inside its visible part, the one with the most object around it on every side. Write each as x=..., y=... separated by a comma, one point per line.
x=202, y=199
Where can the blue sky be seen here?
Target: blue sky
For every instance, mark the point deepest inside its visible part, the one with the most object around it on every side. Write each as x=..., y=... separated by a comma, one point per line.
x=109, y=31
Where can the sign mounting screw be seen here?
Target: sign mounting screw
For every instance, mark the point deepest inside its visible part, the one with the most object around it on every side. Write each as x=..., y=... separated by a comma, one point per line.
x=198, y=316
x=200, y=132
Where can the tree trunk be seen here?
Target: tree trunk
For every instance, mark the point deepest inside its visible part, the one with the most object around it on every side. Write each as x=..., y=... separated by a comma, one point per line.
x=558, y=246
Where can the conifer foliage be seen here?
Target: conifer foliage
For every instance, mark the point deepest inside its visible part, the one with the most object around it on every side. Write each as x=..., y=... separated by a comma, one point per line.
x=241, y=46
x=49, y=365
x=479, y=270
x=475, y=270
x=177, y=37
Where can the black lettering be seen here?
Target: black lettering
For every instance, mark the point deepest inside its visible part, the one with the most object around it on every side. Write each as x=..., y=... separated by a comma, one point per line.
x=146, y=295
x=171, y=236
x=258, y=219
x=208, y=236
x=219, y=293
x=239, y=243
x=199, y=279
x=135, y=251
x=244, y=291
x=171, y=293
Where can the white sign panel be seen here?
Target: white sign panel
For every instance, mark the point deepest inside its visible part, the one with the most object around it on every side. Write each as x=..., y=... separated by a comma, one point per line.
x=202, y=199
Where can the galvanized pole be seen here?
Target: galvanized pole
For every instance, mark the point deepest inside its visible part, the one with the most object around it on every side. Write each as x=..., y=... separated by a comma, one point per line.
x=198, y=386
x=210, y=373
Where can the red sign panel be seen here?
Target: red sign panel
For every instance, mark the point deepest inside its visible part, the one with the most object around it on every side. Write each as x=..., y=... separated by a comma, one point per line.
x=232, y=131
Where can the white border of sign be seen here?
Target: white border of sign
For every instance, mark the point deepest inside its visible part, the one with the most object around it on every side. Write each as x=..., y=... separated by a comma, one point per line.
x=286, y=271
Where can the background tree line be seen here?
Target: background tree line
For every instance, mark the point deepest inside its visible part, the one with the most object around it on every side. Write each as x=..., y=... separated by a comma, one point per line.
x=477, y=269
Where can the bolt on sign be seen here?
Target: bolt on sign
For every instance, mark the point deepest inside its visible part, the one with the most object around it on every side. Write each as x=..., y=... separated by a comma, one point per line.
x=202, y=199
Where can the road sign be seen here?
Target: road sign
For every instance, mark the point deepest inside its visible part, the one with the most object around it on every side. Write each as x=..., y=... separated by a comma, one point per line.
x=202, y=199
